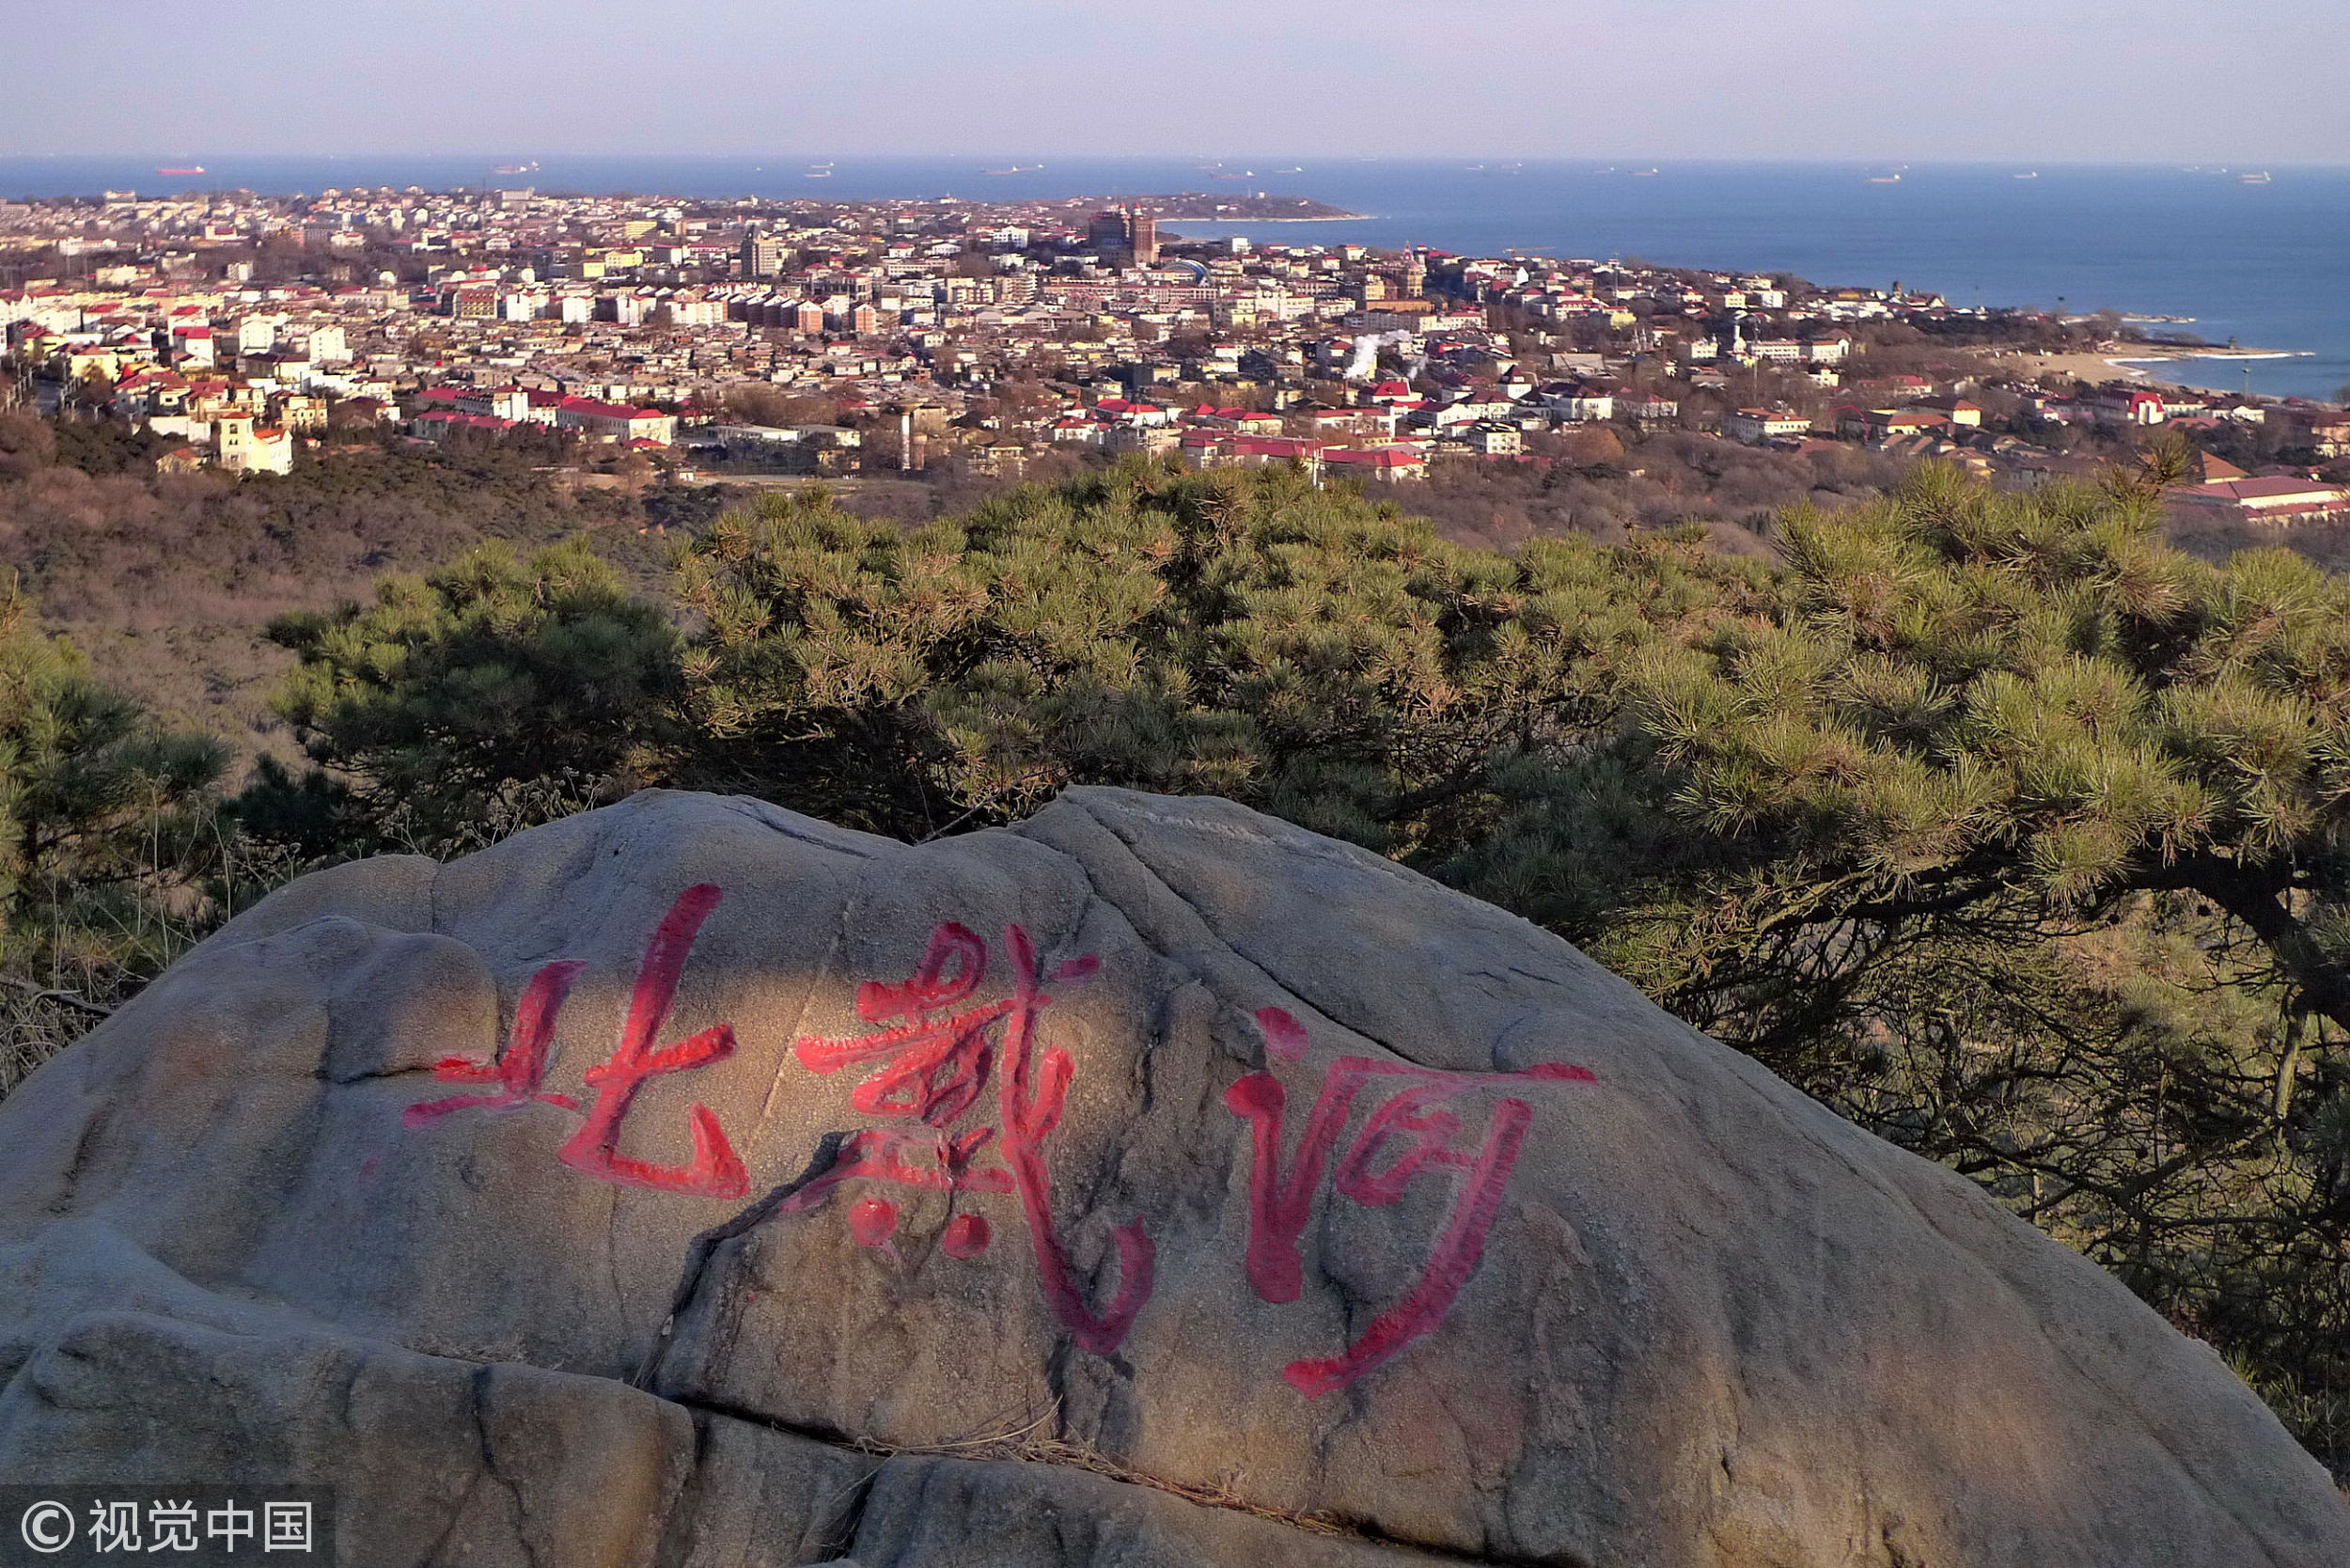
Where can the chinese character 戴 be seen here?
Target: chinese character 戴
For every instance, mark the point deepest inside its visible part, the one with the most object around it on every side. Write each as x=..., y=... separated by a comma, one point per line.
x=934, y=1063
x=286, y=1526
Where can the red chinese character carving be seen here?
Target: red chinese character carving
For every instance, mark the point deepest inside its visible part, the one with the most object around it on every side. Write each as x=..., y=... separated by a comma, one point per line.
x=966, y=1236
x=872, y=1221
x=714, y=1171
x=925, y=1159
x=1031, y=1109
x=1284, y=1036
x=519, y=1072
x=1423, y=1130
x=935, y=1065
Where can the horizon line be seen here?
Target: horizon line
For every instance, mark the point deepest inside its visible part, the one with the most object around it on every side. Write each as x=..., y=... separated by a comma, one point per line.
x=1658, y=160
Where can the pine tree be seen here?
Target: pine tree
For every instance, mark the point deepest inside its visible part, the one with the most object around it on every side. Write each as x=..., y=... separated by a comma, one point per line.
x=113, y=856
x=469, y=703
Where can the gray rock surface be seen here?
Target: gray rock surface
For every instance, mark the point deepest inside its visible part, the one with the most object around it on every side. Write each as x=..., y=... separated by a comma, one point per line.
x=691, y=1182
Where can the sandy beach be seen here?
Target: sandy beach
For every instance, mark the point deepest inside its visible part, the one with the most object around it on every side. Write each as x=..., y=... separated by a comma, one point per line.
x=2132, y=361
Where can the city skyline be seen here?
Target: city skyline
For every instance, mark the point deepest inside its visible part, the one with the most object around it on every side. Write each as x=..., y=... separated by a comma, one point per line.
x=1806, y=79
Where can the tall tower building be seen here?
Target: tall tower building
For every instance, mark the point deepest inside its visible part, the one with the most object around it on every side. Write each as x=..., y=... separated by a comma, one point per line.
x=1142, y=237
x=1106, y=232
x=1415, y=273
x=762, y=256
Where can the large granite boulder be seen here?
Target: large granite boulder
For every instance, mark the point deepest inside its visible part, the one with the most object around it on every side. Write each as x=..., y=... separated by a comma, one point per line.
x=691, y=1182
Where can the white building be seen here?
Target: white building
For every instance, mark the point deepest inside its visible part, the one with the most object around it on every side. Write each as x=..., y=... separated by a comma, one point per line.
x=1755, y=426
x=244, y=448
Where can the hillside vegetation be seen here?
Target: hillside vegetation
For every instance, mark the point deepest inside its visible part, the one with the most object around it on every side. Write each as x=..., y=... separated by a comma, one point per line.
x=1991, y=821
x=167, y=582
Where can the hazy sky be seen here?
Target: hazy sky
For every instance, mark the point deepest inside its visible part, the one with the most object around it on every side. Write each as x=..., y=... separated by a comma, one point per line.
x=2162, y=81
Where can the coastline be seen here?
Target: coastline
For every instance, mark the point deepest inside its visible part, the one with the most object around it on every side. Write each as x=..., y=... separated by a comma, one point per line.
x=2100, y=364
x=1251, y=223
x=2183, y=351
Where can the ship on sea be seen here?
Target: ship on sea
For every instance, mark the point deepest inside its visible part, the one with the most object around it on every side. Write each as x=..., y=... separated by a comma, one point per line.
x=192, y=169
x=2259, y=178
x=516, y=168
